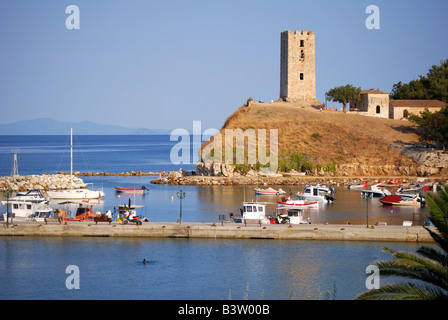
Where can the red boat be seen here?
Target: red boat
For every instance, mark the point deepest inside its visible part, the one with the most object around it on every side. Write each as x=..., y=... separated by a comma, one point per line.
x=131, y=190
x=398, y=181
x=396, y=200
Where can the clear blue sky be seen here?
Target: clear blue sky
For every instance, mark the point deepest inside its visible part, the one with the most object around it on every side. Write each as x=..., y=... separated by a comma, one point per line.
x=163, y=64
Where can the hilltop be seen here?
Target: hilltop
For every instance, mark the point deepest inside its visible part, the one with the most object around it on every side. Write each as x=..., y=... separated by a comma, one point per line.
x=335, y=143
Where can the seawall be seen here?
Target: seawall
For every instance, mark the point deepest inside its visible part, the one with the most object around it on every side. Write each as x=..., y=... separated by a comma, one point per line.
x=218, y=231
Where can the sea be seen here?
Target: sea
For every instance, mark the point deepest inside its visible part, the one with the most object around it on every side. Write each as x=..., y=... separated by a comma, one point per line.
x=38, y=268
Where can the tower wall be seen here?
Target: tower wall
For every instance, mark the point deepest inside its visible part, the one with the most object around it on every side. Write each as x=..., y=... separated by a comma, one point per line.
x=297, y=65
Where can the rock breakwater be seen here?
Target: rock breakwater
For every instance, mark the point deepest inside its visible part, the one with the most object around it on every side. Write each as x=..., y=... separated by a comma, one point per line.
x=40, y=182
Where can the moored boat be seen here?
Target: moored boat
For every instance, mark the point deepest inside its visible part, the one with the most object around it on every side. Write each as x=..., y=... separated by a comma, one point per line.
x=374, y=191
x=254, y=212
x=268, y=191
x=301, y=203
x=291, y=216
x=396, y=200
x=75, y=193
x=317, y=193
x=396, y=181
x=131, y=190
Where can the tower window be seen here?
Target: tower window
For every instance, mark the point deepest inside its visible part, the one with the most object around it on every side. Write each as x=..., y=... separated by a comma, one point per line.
x=378, y=109
x=301, y=43
x=301, y=76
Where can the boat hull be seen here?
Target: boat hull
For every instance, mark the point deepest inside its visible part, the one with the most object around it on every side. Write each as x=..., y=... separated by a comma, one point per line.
x=129, y=190
x=77, y=194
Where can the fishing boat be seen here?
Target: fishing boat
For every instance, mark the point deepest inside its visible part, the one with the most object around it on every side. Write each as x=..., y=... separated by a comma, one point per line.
x=23, y=209
x=316, y=193
x=291, y=216
x=396, y=200
x=31, y=195
x=301, y=203
x=268, y=191
x=362, y=184
x=397, y=181
x=72, y=193
x=254, y=212
x=131, y=190
x=376, y=192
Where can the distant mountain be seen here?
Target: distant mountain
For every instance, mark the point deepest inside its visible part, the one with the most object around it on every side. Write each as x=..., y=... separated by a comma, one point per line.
x=49, y=126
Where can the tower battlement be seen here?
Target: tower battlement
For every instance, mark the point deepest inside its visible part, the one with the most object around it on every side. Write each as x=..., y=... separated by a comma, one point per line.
x=297, y=65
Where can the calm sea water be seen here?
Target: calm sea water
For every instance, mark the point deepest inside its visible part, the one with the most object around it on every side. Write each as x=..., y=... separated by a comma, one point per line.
x=181, y=269
x=34, y=268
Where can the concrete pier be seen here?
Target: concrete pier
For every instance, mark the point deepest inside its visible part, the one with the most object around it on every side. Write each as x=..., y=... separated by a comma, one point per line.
x=218, y=231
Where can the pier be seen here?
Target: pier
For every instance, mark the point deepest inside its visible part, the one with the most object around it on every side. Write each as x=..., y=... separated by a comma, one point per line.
x=218, y=231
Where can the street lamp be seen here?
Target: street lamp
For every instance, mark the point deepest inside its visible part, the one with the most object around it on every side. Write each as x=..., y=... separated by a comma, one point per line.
x=367, y=196
x=180, y=195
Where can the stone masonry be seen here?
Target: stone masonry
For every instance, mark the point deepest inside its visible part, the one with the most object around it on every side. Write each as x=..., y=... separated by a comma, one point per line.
x=297, y=66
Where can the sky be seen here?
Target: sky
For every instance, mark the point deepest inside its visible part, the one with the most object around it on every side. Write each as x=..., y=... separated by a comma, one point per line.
x=164, y=64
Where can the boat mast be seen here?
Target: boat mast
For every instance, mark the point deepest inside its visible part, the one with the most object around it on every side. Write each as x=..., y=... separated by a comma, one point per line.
x=71, y=157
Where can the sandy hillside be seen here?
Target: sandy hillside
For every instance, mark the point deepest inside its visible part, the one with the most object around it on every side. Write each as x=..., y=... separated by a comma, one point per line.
x=328, y=136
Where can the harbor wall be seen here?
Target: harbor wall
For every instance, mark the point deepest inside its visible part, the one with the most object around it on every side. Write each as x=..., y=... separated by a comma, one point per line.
x=218, y=231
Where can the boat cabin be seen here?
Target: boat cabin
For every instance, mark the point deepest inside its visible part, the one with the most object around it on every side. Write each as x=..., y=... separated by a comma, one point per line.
x=254, y=210
x=291, y=216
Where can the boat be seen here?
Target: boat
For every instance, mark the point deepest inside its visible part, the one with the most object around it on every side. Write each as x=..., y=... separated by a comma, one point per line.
x=362, y=184
x=128, y=213
x=131, y=190
x=268, y=191
x=301, y=203
x=31, y=195
x=376, y=192
x=79, y=193
x=41, y=214
x=397, y=181
x=254, y=212
x=396, y=200
x=291, y=216
x=316, y=193
x=23, y=209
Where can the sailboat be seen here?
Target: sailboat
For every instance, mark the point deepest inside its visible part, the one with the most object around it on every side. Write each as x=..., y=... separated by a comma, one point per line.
x=79, y=193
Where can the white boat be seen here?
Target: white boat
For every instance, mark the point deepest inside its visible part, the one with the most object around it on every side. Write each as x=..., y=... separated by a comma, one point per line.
x=22, y=209
x=291, y=216
x=41, y=214
x=268, y=191
x=301, y=203
x=396, y=200
x=361, y=185
x=73, y=194
x=374, y=191
x=32, y=196
x=254, y=212
x=316, y=193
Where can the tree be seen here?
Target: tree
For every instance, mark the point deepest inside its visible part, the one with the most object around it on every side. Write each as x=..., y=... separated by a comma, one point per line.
x=432, y=127
x=429, y=267
x=432, y=86
x=344, y=94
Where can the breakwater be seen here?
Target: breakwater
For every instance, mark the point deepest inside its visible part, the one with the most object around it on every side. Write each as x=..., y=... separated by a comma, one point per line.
x=218, y=231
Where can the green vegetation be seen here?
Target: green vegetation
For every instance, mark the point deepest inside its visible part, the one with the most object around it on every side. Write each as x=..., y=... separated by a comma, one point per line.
x=298, y=161
x=432, y=86
x=432, y=127
x=344, y=94
x=429, y=267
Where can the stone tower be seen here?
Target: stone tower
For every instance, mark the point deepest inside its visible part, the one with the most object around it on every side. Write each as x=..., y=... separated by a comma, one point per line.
x=297, y=66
